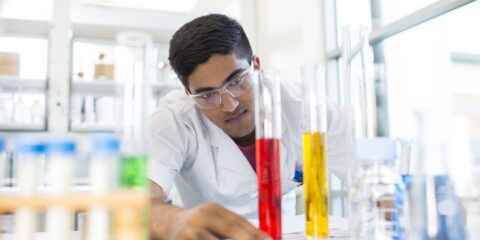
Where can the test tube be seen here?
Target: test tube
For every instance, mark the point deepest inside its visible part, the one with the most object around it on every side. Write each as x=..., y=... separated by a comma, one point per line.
x=314, y=151
x=135, y=69
x=268, y=134
x=357, y=96
x=28, y=153
x=358, y=93
x=103, y=178
x=60, y=161
x=3, y=161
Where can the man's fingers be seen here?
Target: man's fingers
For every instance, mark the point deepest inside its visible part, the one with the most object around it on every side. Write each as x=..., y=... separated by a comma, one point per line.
x=230, y=225
x=202, y=234
x=227, y=229
x=244, y=223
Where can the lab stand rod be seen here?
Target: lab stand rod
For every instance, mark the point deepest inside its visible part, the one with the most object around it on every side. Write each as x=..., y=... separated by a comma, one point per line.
x=429, y=12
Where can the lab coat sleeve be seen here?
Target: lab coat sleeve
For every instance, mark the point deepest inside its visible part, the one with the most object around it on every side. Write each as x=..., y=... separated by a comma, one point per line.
x=168, y=147
x=336, y=141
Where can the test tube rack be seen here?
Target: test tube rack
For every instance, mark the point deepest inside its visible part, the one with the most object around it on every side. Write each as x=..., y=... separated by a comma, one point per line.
x=128, y=207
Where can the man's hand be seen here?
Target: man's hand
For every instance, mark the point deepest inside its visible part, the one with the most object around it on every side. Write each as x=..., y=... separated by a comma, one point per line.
x=212, y=221
x=205, y=222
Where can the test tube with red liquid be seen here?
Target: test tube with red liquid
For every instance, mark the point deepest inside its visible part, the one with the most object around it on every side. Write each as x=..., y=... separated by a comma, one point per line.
x=268, y=133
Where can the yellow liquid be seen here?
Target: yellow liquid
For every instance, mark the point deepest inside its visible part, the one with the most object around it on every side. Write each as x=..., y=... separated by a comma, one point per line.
x=315, y=184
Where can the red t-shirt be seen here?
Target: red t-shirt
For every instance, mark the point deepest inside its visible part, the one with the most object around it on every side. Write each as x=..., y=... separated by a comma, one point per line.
x=249, y=152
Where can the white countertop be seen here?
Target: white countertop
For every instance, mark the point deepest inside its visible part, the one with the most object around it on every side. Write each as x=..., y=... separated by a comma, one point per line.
x=293, y=228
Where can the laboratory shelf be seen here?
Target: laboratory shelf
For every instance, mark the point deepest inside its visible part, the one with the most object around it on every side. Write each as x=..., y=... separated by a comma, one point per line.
x=87, y=128
x=41, y=28
x=21, y=127
x=101, y=88
x=98, y=31
x=15, y=83
x=107, y=87
x=23, y=27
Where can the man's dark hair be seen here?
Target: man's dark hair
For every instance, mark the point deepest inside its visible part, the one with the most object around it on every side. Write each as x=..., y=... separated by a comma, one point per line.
x=199, y=39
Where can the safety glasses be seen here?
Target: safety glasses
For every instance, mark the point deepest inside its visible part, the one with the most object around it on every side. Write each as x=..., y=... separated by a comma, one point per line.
x=236, y=87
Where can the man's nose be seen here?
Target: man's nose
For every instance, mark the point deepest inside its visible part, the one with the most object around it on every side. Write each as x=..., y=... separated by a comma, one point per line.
x=229, y=103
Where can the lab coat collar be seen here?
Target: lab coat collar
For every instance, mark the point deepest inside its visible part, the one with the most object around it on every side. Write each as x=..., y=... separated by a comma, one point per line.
x=229, y=156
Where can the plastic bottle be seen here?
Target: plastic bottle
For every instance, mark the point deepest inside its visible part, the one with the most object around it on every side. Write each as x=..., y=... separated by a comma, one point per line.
x=374, y=191
x=60, y=162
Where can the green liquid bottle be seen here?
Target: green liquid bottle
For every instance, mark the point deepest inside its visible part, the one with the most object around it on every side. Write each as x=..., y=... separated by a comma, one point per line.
x=133, y=175
x=133, y=172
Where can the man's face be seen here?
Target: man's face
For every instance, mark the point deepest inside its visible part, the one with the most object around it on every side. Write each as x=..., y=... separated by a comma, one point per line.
x=234, y=115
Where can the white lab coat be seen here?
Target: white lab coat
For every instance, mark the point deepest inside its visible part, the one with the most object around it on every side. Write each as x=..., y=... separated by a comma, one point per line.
x=207, y=165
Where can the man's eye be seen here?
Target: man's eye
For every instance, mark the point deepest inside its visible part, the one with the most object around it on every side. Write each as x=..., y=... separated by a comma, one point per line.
x=235, y=82
x=208, y=95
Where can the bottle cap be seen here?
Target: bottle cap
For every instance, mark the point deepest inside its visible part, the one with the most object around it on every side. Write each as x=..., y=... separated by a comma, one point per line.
x=60, y=146
x=29, y=146
x=2, y=144
x=105, y=143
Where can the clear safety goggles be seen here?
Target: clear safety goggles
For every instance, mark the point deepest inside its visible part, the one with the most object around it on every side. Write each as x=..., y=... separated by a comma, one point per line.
x=236, y=87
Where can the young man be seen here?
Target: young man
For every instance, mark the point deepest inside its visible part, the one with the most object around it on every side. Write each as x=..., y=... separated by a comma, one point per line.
x=203, y=139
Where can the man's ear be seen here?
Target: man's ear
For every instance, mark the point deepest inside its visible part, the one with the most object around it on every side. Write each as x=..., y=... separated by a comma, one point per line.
x=256, y=62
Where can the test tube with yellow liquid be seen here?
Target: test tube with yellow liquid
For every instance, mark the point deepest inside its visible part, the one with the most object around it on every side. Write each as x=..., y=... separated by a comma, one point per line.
x=314, y=151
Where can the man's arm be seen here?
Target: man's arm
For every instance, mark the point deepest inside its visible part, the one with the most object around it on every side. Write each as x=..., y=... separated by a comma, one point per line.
x=207, y=221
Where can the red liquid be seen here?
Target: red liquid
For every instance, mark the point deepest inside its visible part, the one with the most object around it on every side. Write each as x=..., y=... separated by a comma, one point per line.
x=269, y=187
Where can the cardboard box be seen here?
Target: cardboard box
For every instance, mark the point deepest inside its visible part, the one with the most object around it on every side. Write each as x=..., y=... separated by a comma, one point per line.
x=9, y=63
x=104, y=72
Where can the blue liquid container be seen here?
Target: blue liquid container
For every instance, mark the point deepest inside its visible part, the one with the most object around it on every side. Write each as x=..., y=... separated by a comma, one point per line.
x=440, y=217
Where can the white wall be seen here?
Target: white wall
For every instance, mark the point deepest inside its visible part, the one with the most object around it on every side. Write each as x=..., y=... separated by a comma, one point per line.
x=284, y=34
